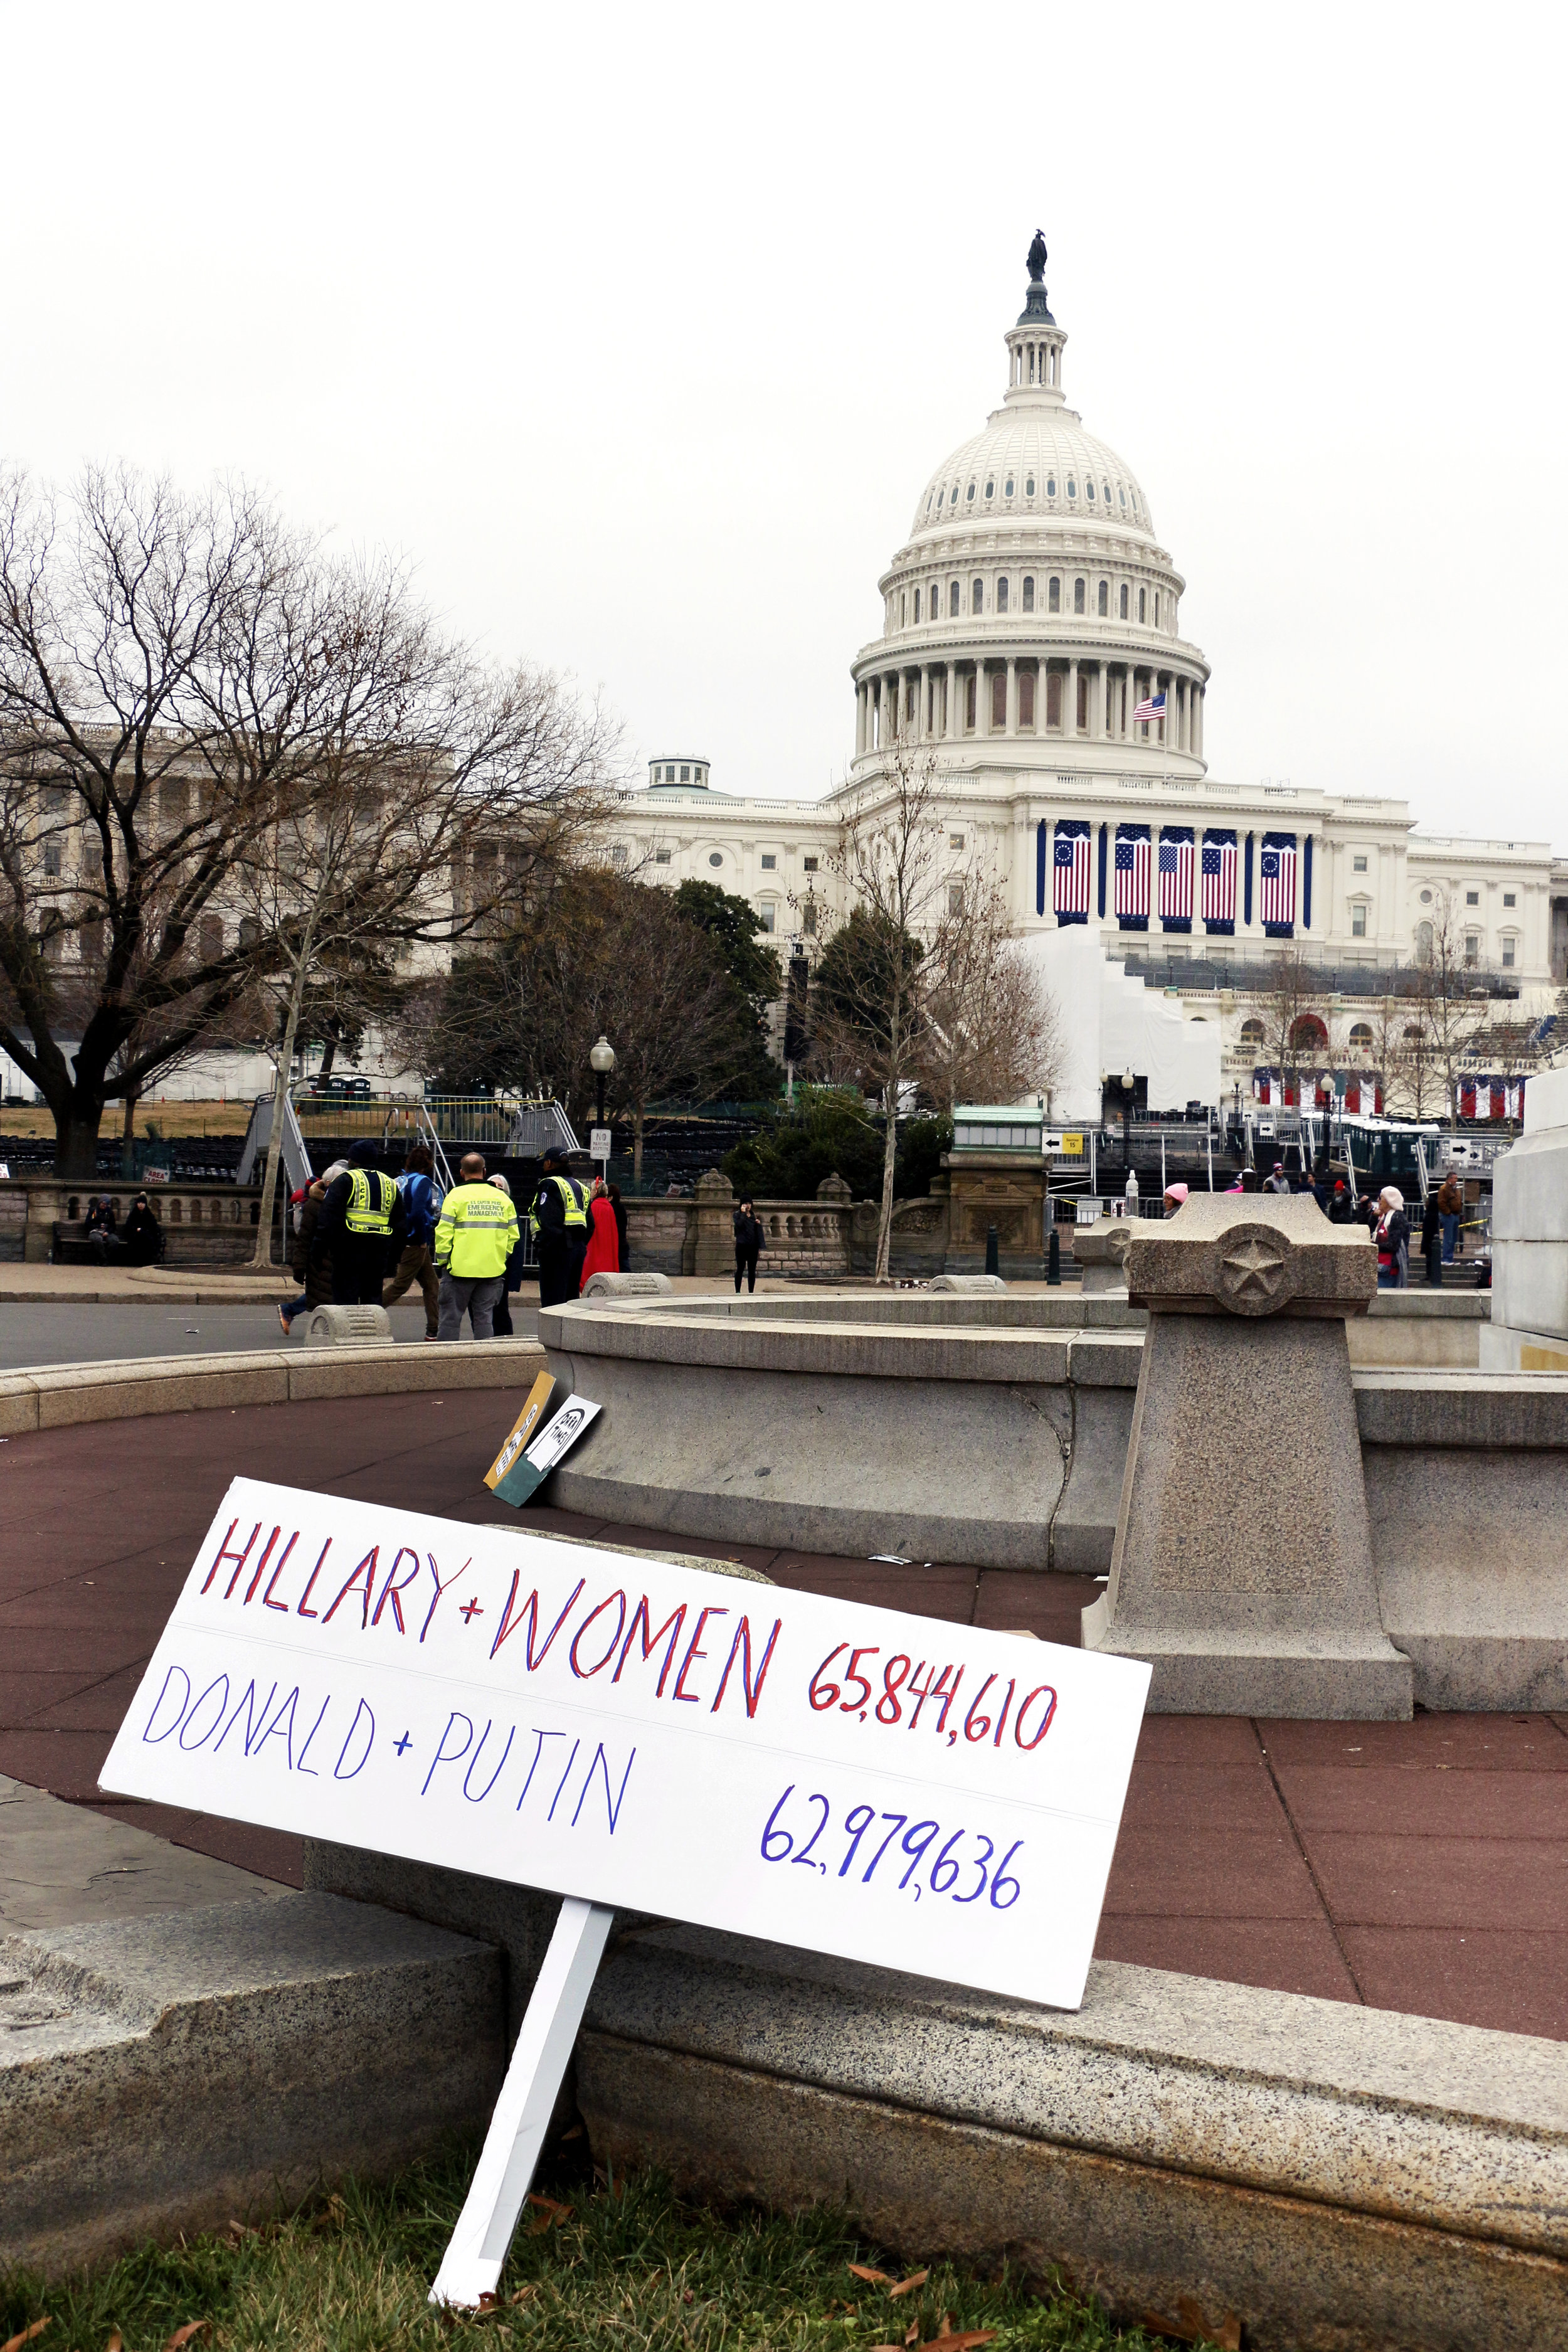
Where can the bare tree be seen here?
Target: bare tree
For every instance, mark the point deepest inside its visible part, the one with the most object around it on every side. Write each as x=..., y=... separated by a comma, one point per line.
x=883, y=965
x=991, y=1031
x=1454, y=1000
x=1286, y=997
x=209, y=735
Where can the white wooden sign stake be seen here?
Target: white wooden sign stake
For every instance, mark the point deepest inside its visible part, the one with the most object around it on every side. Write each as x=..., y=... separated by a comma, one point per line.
x=478, y=2249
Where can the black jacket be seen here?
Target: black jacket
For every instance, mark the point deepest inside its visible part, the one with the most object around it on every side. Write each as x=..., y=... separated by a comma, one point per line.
x=749, y=1236
x=550, y=1210
x=330, y=1229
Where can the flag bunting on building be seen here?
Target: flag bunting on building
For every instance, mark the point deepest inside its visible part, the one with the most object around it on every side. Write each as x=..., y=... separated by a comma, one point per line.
x=1176, y=877
x=1358, y=1093
x=1277, y=879
x=1071, y=871
x=1132, y=876
x=1491, y=1098
x=1218, y=895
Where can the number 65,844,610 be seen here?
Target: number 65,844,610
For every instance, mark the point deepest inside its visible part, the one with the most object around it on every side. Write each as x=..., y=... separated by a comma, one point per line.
x=961, y=1868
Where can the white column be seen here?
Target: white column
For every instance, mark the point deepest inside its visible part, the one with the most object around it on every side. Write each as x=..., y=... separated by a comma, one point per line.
x=1198, y=745
x=860, y=720
x=1012, y=694
x=952, y=701
x=982, y=696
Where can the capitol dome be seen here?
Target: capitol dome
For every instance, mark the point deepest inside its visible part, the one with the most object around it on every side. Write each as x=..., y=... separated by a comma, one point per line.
x=1033, y=463
x=1032, y=609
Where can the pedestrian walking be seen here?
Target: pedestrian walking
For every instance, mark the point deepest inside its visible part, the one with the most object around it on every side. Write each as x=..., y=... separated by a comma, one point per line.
x=1175, y=1199
x=362, y=1225
x=416, y=1263
x=1450, y=1203
x=474, y=1235
x=1278, y=1181
x=558, y=1220
x=311, y=1269
x=1432, y=1237
x=748, y=1244
x=1393, y=1239
x=603, y=1254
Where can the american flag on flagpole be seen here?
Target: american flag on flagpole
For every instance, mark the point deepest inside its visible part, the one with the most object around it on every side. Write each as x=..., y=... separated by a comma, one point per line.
x=1219, y=877
x=1132, y=873
x=1070, y=863
x=1176, y=873
x=1151, y=706
x=1276, y=874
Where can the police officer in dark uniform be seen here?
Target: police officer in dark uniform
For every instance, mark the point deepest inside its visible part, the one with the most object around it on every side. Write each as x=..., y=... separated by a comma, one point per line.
x=361, y=1223
x=559, y=1221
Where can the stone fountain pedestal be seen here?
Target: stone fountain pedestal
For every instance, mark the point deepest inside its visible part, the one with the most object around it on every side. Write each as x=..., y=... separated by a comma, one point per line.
x=1242, y=1569
x=1100, y=1249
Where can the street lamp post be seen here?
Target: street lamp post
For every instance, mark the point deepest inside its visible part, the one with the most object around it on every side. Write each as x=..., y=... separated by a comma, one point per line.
x=602, y=1061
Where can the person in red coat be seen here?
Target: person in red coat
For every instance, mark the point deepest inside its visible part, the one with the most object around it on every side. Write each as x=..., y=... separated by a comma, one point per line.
x=604, y=1252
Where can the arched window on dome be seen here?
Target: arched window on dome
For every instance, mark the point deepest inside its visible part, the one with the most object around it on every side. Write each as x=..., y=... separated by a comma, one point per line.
x=969, y=702
x=903, y=608
x=1088, y=487
x=917, y=608
x=1054, y=597
x=1143, y=603
x=953, y=596
x=977, y=596
x=1053, y=698
x=1104, y=599
x=1028, y=595
x=1077, y=596
x=998, y=701
x=1125, y=600
x=1025, y=697
x=1106, y=488
x=1050, y=486
x=969, y=495
x=1072, y=488
x=1001, y=595
x=1029, y=486
x=953, y=499
x=1007, y=488
x=991, y=489
x=1156, y=608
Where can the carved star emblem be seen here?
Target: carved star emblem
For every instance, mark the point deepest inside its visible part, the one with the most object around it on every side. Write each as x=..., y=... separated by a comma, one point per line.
x=1252, y=1268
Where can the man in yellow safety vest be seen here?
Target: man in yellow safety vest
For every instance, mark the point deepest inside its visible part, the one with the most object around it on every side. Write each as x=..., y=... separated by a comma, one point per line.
x=361, y=1224
x=474, y=1235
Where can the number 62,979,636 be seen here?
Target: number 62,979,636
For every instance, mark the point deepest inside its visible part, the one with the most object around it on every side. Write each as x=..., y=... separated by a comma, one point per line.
x=965, y=1877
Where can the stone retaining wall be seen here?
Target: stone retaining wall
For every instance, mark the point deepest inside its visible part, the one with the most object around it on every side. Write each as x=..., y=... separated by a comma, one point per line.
x=204, y=1225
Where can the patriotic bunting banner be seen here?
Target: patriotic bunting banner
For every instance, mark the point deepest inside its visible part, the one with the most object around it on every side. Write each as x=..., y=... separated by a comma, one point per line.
x=1219, y=880
x=1277, y=879
x=1492, y=1098
x=1132, y=876
x=1070, y=868
x=1176, y=878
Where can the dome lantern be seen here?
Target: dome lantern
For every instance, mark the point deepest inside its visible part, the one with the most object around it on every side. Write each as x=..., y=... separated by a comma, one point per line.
x=1035, y=344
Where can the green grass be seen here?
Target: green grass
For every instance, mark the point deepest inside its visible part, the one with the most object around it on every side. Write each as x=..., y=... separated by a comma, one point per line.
x=629, y=2269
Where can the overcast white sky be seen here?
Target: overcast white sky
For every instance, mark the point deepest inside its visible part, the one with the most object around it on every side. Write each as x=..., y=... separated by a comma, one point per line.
x=640, y=330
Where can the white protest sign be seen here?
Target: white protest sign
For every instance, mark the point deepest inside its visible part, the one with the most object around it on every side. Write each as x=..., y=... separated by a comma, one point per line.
x=928, y=1797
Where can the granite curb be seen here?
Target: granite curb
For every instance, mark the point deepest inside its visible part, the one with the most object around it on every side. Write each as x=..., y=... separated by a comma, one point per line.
x=63, y=1395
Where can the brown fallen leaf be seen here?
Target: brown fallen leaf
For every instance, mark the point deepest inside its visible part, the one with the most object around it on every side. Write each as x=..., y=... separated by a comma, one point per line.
x=908, y=2286
x=1192, y=2326
x=859, y=2271
x=115, y=2342
x=199, y=2327
x=16, y=2342
x=550, y=2205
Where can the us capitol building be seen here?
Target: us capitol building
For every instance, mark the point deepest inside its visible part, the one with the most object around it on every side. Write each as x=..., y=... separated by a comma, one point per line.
x=1032, y=640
